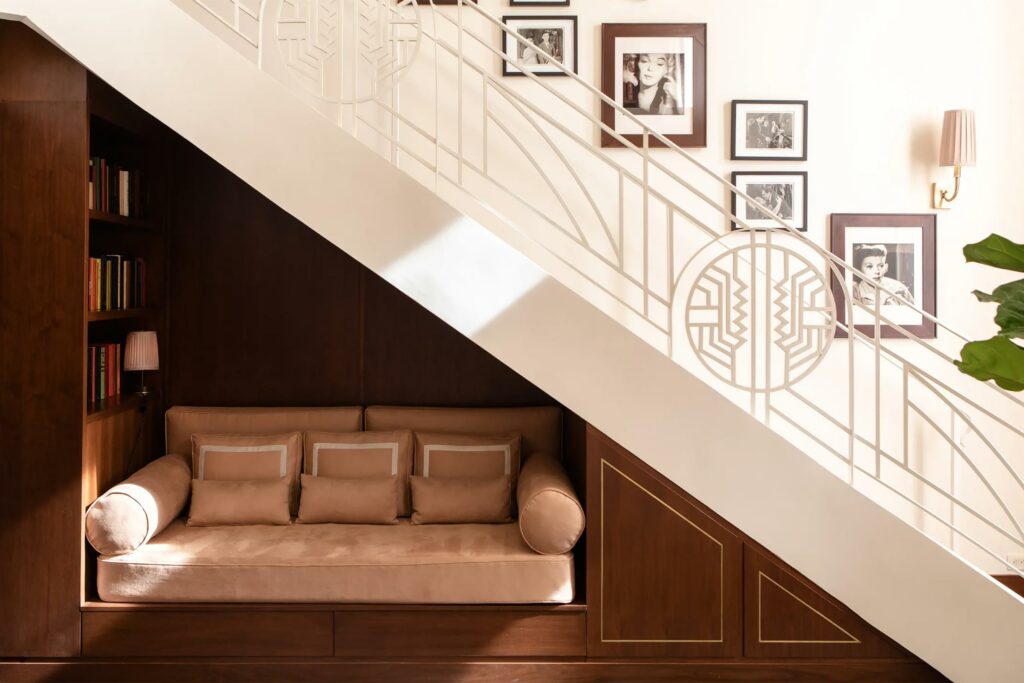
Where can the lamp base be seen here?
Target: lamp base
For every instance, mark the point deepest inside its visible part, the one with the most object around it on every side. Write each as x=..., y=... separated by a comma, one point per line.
x=143, y=391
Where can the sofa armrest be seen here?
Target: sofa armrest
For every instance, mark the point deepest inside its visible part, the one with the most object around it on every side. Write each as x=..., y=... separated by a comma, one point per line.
x=551, y=518
x=140, y=507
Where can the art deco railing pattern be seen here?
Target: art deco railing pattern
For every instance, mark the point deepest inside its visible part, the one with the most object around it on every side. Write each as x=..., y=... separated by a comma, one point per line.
x=644, y=231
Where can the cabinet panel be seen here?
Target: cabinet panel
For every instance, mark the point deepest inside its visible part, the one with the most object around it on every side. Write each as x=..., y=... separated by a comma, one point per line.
x=664, y=577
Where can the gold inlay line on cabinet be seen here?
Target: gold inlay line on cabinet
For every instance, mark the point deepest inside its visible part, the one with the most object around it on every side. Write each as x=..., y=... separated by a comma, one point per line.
x=761, y=576
x=721, y=569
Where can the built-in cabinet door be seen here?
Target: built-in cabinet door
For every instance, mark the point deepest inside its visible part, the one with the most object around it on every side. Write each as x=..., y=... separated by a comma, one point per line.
x=664, y=579
x=788, y=616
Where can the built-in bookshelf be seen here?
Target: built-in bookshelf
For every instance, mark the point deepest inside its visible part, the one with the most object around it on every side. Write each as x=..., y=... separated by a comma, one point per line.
x=125, y=264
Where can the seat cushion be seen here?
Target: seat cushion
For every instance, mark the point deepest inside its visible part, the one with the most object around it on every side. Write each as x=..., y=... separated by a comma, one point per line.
x=404, y=563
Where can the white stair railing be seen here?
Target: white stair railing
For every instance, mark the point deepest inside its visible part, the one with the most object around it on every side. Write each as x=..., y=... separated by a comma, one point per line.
x=646, y=227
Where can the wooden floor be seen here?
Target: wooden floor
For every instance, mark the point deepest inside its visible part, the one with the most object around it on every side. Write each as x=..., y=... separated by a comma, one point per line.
x=432, y=671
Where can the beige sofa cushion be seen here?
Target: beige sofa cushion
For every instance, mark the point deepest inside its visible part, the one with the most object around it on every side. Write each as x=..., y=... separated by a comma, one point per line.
x=260, y=501
x=366, y=500
x=362, y=454
x=324, y=563
x=141, y=506
x=551, y=518
x=541, y=427
x=459, y=500
x=227, y=457
x=461, y=455
x=184, y=421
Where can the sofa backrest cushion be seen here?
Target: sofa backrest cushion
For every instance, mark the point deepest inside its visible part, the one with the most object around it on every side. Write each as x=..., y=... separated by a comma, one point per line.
x=540, y=427
x=184, y=421
x=361, y=455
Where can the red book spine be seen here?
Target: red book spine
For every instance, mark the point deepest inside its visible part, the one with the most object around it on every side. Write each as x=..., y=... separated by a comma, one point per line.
x=117, y=368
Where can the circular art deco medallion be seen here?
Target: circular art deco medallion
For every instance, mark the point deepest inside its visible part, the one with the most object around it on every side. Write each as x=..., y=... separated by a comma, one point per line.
x=353, y=63
x=760, y=317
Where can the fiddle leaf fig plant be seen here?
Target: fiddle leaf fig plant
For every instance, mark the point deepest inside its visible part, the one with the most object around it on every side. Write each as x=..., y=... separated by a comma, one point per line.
x=1000, y=358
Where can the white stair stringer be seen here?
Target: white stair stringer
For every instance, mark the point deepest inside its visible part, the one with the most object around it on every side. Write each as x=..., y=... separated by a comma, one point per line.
x=496, y=287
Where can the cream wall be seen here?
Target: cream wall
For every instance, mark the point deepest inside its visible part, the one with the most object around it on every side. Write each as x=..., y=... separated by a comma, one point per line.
x=878, y=75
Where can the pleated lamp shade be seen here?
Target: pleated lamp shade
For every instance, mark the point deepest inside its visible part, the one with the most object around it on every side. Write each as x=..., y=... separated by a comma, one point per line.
x=957, y=138
x=141, y=352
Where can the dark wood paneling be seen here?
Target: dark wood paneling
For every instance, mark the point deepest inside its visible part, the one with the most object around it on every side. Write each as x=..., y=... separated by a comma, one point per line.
x=787, y=616
x=414, y=358
x=833, y=671
x=664, y=577
x=42, y=341
x=458, y=633
x=1011, y=581
x=264, y=311
x=36, y=71
x=207, y=634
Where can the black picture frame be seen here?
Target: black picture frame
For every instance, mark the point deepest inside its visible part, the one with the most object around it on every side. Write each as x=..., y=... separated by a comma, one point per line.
x=543, y=3
x=925, y=299
x=737, y=152
x=510, y=42
x=737, y=177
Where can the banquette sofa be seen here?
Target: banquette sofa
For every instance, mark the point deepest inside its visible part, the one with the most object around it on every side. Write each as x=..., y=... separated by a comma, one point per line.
x=422, y=518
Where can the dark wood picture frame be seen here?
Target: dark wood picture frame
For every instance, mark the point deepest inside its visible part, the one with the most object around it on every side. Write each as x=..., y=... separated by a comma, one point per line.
x=610, y=73
x=452, y=2
x=542, y=3
x=735, y=156
x=510, y=20
x=736, y=200
x=925, y=300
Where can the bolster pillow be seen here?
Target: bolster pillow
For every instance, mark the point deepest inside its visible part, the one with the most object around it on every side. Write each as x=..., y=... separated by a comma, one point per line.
x=551, y=518
x=140, y=507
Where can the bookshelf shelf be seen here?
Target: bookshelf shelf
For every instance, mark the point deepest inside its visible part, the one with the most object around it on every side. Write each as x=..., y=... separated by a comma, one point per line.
x=98, y=410
x=123, y=221
x=127, y=314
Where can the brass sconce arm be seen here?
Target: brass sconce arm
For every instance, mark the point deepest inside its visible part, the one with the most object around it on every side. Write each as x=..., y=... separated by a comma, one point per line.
x=942, y=198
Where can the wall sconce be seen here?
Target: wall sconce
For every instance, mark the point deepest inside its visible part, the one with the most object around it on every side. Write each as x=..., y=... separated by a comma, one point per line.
x=956, y=150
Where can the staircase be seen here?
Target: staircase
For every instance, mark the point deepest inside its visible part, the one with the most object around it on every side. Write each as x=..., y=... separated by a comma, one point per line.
x=610, y=279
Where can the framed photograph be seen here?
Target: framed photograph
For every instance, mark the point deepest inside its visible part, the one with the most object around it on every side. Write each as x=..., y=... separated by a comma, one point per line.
x=550, y=39
x=769, y=130
x=783, y=193
x=656, y=72
x=539, y=3
x=450, y=2
x=896, y=254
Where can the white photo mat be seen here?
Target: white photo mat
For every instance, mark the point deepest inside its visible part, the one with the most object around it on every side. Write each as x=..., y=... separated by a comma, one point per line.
x=666, y=125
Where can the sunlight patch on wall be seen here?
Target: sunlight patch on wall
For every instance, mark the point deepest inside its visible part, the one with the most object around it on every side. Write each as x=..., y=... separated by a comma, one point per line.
x=466, y=275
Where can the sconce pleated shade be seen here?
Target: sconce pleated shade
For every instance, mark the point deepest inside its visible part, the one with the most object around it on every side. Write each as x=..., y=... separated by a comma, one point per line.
x=957, y=138
x=141, y=351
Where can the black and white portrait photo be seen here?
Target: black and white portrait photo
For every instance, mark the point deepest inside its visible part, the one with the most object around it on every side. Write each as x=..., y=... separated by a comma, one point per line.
x=546, y=41
x=893, y=259
x=888, y=268
x=766, y=130
x=657, y=78
x=652, y=83
x=783, y=194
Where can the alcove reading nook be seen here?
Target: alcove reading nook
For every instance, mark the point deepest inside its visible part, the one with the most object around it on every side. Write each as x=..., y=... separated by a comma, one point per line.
x=253, y=309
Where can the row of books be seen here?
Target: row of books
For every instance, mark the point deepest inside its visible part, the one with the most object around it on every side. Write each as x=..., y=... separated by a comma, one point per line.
x=116, y=283
x=115, y=189
x=104, y=376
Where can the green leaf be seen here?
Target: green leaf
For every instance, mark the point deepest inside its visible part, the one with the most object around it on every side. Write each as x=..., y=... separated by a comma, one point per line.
x=1010, y=314
x=996, y=251
x=998, y=359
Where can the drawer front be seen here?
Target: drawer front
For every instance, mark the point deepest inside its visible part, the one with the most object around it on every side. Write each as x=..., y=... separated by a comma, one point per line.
x=459, y=633
x=207, y=634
